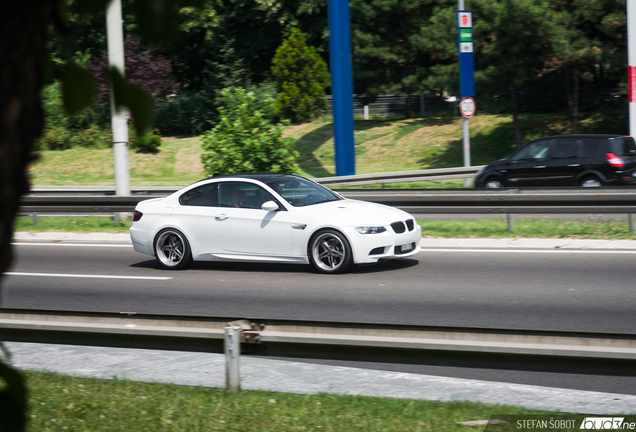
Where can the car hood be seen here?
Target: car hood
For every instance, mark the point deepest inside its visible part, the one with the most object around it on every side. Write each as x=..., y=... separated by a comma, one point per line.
x=357, y=212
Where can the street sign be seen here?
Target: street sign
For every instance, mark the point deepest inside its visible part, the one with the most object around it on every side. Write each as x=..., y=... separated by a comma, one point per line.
x=466, y=56
x=467, y=107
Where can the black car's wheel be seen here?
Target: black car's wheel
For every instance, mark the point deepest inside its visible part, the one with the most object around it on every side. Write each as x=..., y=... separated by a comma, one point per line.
x=329, y=252
x=172, y=249
x=591, y=181
x=493, y=183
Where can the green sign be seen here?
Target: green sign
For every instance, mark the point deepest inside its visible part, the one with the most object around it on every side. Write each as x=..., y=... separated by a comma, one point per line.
x=466, y=35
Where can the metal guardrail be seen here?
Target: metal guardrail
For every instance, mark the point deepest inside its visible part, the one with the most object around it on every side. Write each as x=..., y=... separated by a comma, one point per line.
x=510, y=201
x=401, y=176
x=613, y=353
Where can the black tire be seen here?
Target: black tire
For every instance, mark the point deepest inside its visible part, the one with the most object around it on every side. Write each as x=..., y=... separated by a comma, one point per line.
x=591, y=181
x=493, y=183
x=330, y=252
x=172, y=249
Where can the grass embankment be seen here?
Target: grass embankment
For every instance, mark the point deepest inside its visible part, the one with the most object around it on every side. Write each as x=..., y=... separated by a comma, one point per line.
x=59, y=403
x=595, y=229
x=381, y=146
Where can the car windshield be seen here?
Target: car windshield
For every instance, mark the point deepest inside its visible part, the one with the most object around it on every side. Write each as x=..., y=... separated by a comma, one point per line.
x=300, y=192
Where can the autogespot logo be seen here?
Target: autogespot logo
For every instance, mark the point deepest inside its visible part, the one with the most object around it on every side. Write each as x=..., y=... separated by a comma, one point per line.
x=605, y=423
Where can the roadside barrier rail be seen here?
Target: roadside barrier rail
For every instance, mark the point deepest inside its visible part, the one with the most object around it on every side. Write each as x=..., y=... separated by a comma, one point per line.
x=507, y=202
x=610, y=353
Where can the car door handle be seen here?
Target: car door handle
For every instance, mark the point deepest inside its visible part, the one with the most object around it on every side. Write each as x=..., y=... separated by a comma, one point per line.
x=222, y=216
x=574, y=165
x=540, y=166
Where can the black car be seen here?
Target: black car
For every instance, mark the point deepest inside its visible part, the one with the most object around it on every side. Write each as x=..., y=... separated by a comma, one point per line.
x=565, y=160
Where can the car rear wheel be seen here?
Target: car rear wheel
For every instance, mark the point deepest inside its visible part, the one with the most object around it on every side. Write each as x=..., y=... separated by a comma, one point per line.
x=591, y=181
x=172, y=249
x=493, y=183
x=329, y=252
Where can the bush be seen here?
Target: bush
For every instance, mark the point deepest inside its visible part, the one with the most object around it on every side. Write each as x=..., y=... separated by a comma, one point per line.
x=63, y=139
x=148, y=143
x=246, y=139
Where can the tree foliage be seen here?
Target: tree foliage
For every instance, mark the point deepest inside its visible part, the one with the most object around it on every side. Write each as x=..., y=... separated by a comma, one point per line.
x=246, y=139
x=145, y=67
x=390, y=40
x=301, y=77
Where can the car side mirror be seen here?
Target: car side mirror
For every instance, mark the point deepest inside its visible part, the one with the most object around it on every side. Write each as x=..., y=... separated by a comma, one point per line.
x=270, y=206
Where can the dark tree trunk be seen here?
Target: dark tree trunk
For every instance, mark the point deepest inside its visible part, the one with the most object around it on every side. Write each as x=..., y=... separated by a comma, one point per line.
x=407, y=106
x=514, y=108
x=572, y=92
x=23, y=34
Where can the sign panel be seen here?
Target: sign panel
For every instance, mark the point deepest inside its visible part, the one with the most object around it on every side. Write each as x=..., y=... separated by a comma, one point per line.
x=467, y=107
x=465, y=49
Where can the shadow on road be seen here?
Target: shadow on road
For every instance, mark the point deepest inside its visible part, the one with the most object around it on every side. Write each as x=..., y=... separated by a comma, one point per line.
x=383, y=266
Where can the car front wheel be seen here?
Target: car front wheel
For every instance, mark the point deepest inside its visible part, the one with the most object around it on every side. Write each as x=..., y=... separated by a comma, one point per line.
x=329, y=252
x=172, y=249
x=493, y=183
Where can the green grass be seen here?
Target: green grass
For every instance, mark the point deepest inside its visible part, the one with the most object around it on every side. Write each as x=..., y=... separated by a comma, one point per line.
x=59, y=402
x=381, y=146
x=73, y=224
x=593, y=228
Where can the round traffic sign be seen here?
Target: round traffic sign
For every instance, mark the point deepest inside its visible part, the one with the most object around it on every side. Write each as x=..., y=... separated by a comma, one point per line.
x=467, y=107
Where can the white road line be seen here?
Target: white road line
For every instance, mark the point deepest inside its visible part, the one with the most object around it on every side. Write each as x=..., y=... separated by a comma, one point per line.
x=86, y=276
x=545, y=251
x=73, y=244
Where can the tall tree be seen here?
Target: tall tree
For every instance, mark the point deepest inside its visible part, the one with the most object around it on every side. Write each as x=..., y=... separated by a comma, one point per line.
x=583, y=43
x=301, y=77
x=512, y=40
x=390, y=47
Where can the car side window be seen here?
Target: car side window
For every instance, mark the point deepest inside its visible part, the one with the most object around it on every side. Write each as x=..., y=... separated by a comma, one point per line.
x=243, y=195
x=590, y=147
x=565, y=149
x=202, y=196
x=534, y=151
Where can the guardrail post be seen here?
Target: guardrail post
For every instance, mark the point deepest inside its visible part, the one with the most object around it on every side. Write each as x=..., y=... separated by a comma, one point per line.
x=631, y=222
x=232, y=354
x=36, y=219
x=366, y=112
x=116, y=219
x=511, y=222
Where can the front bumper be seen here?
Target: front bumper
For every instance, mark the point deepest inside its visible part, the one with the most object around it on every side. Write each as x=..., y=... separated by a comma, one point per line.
x=371, y=248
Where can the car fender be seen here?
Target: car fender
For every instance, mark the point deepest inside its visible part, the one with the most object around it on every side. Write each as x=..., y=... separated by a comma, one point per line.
x=593, y=172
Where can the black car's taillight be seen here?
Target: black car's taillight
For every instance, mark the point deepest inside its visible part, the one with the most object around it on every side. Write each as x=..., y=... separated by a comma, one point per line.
x=615, y=161
x=137, y=216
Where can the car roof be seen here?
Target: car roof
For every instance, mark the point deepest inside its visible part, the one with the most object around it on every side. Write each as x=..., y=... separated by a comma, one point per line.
x=262, y=177
x=606, y=136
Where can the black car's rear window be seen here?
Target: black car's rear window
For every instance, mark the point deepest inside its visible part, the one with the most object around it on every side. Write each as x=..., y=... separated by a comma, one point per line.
x=623, y=146
x=591, y=147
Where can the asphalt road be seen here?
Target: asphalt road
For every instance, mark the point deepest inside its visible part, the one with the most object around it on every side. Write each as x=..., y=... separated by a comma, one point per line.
x=553, y=291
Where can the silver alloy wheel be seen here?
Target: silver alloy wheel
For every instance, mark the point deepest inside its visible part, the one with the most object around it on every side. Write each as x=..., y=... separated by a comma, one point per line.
x=591, y=182
x=493, y=184
x=170, y=248
x=329, y=252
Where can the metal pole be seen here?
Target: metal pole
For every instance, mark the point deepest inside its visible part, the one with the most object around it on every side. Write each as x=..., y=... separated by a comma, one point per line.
x=465, y=125
x=631, y=61
x=232, y=355
x=118, y=117
x=342, y=86
x=631, y=222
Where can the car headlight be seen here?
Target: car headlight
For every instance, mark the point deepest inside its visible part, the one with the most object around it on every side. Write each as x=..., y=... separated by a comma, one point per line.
x=370, y=229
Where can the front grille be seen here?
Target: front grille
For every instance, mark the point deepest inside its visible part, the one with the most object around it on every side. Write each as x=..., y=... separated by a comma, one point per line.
x=398, y=227
x=410, y=224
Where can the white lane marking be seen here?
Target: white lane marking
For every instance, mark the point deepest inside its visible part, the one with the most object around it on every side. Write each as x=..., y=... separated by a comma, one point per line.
x=73, y=244
x=574, y=251
x=86, y=276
